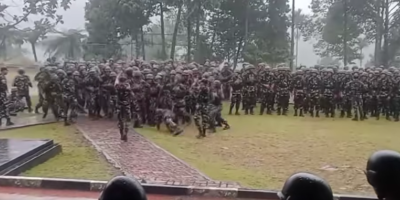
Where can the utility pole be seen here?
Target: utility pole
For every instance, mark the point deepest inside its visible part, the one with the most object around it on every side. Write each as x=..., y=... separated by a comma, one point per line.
x=292, y=35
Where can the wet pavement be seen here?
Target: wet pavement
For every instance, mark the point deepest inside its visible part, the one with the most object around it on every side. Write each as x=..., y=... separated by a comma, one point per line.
x=143, y=159
x=25, y=119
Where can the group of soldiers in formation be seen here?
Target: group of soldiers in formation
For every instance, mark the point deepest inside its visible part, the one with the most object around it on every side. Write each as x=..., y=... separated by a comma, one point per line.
x=382, y=172
x=174, y=93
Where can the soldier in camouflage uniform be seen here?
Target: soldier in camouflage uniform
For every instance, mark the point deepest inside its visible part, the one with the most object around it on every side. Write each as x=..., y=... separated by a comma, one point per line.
x=92, y=84
x=22, y=82
x=215, y=107
x=68, y=98
x=354, y=90
x=236, y=85
x=266, y=90
x=298, y=88
x=15, y=104
x=124, y=94
x=52, y=96
x=201, y=117
x=385, y=87
x=249, y=90
x=313, y=92
x=167, y=117
x=282, y=86
x=328, y=92
x=4, y=109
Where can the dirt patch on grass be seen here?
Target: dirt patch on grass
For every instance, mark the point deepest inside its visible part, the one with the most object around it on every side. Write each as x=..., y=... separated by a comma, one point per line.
x=262, y=151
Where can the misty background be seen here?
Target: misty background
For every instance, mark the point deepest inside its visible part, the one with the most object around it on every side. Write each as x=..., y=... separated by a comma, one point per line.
x=74, y=18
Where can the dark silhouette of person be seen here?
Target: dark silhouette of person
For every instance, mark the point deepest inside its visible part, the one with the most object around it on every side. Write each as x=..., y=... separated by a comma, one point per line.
x=305, y=186
x=383, y=174
x=123, y=188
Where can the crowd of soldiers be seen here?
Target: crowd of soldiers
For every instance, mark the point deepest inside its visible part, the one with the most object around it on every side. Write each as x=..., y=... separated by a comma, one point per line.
x=382, y=173
x=173, y=93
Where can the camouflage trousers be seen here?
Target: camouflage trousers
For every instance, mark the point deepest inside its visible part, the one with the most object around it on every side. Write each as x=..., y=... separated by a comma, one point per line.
x=69, y=107
x=202, y=119
x=216, y=116
x=4, y=106
x=124, y=117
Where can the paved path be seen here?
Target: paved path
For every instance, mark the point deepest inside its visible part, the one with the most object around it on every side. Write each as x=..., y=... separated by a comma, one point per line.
x=25, y=120
x=141, y=158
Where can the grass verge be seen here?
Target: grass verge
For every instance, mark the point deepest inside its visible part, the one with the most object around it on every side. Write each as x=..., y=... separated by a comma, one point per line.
x=262, y=151
x=77, y=160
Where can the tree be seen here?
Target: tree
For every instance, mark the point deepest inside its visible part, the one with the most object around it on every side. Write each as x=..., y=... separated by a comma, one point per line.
x=333, y=37
x=33, y=35
x=104, y=32
x=68, y=44
x=46, y=9
x=328, y=61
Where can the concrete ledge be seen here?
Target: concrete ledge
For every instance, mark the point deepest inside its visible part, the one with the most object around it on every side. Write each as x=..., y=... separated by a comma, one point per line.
x=6, y=128
x=90, y=185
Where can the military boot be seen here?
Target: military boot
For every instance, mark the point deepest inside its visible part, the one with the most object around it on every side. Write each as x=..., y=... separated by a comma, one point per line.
x=9, y=123
x=301, y=113
x=355, y=117
x=342, y=113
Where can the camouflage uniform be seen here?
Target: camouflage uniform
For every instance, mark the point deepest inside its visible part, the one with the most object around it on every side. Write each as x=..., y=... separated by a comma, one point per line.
x=69, y=99
x=201, y=117
x=167, y=117
x=22, y=82
x=124, y=95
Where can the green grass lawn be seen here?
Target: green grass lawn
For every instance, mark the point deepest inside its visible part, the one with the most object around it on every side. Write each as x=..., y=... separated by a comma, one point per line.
x=262, y=151
x=78, y=158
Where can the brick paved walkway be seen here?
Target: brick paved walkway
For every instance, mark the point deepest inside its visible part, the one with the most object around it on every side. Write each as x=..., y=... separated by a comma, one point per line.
x=141, y=158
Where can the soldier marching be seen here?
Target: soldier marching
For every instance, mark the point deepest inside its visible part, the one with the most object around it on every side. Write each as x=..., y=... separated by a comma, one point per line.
x=175, y=93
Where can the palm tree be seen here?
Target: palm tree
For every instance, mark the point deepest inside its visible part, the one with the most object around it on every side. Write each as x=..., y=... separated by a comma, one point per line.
x=68, y=44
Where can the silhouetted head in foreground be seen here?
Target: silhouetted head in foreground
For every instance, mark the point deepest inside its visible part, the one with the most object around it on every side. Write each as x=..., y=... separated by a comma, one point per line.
x=305, y=186
x=383, y=174
x=121, y=188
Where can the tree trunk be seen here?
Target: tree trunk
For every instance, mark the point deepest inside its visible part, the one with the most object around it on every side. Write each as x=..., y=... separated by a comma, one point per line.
x=292, y=36
x=385, y=59
x=189, y=40
x=361, y=57
x=197, y=52
x=297, y=46
x=378, y=36
x=238, y=53
x=143, y=43
x=33, y=46
x=131, y=47
x=246, y=27
x=163, y=50
x=137, y=45
x=345, y=33
x=174, y=36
